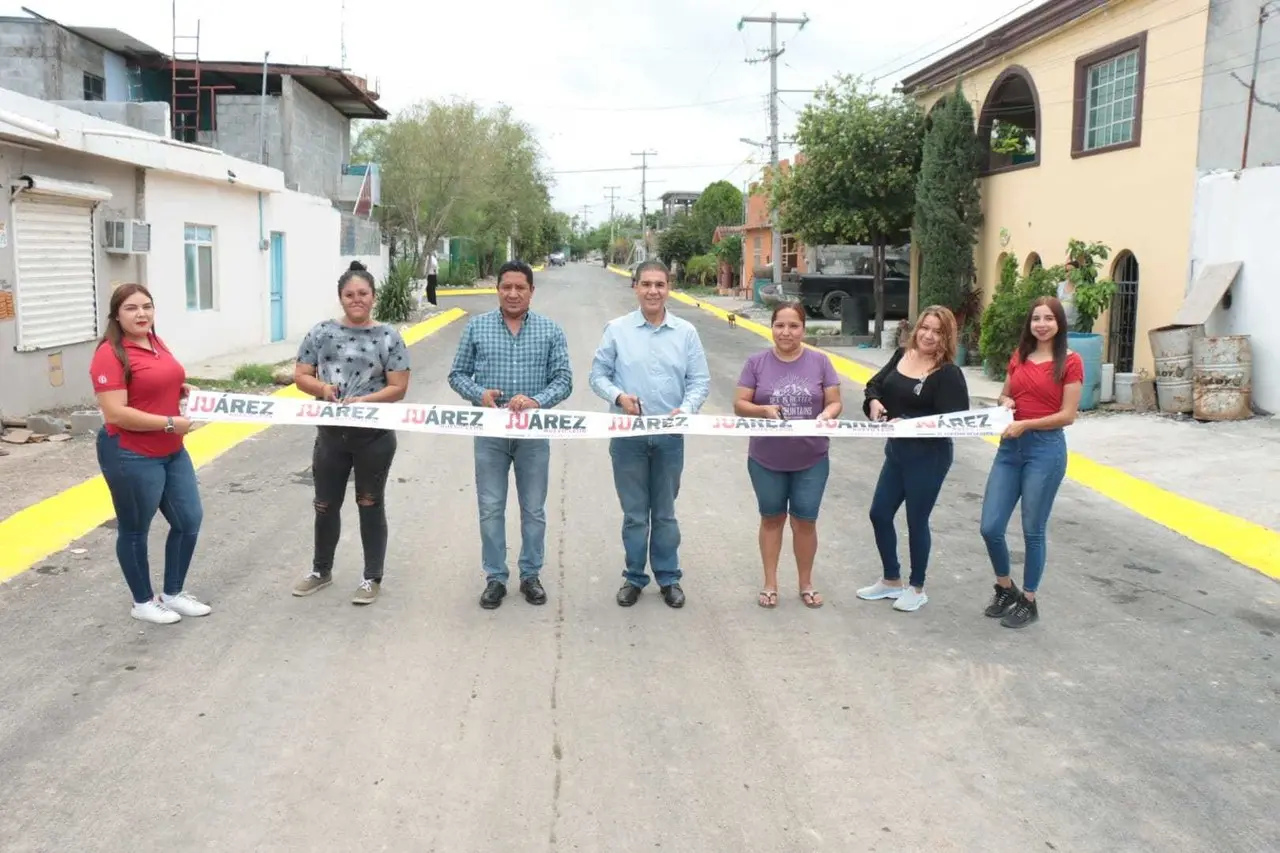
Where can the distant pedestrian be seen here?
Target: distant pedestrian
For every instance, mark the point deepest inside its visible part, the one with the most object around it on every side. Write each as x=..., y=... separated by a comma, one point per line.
x=515, y=359
x=433, y=277
x=140, y=385
x=921, y=379
x=352, y=360
x=1043, y=389
x=650, y=362
x=789, y=474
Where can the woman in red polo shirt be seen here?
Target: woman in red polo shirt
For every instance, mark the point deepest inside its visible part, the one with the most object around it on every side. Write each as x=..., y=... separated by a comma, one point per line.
x=139, y=385
x=1043, y=390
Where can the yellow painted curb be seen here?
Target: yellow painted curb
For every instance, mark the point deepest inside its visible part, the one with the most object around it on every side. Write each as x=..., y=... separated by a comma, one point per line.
x=1247, y=543
x=32, y=534
x=467, y=291
x=618, y=270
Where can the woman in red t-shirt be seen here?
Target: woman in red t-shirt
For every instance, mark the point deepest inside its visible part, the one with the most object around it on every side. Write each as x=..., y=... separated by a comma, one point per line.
x=1043, y=390
x=139, y=385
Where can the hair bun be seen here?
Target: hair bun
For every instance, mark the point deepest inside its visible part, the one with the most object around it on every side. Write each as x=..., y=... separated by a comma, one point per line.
x=356, y=266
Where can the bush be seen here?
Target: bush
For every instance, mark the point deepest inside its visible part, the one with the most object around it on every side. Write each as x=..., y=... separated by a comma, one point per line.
x=1003, y=319
x=395, y=294
x=702, y=270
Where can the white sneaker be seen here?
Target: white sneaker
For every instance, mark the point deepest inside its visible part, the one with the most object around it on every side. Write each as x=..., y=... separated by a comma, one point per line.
x=154, y=612
x=879, y=590
x=910, y=600
x=185, y=604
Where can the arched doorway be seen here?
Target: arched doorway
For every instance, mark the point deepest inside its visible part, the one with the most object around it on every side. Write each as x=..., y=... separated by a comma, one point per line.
x=1124, y=312
x=1032, y=264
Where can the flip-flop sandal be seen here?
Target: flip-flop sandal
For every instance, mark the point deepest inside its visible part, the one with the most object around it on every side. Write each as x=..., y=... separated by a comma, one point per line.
x=811, y=598
x=768, y=599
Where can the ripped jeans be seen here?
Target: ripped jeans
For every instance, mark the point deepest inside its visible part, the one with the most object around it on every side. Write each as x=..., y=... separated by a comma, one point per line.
x=338, y=451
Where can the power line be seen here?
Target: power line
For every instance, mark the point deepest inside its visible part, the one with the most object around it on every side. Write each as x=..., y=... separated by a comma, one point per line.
x=637, y=168
x=950, y=45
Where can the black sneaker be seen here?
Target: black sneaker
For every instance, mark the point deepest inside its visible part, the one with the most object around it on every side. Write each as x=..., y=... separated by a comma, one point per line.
x=1003, y=602
x=1024, y=613
x=533, y=591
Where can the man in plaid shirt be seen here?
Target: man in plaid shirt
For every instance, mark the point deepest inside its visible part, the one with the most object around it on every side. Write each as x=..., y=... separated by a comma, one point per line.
x=515, y=359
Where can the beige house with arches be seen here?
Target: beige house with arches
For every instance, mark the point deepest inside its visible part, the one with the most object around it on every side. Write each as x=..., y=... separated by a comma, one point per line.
x=1108, y=102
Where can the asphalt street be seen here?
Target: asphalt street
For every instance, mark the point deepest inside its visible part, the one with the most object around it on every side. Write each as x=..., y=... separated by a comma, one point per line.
x=1141, y=714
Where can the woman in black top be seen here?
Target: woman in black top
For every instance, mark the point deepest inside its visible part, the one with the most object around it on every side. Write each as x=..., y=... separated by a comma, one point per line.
x=921, y=379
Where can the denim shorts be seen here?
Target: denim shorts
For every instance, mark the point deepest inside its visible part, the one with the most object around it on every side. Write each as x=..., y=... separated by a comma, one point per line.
x=796, y=492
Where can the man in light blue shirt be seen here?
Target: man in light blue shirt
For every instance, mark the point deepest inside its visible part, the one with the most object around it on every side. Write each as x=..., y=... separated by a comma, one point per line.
x=652, y=363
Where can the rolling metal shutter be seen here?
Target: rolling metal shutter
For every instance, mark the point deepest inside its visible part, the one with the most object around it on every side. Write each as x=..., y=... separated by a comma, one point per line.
x=56, y=292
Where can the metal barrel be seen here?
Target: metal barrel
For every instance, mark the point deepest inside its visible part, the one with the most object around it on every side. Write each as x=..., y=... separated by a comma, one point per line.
x=1171, y=348
x=1223, y=378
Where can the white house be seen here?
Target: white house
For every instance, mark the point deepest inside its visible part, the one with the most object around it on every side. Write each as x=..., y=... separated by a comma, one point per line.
x=232, y=258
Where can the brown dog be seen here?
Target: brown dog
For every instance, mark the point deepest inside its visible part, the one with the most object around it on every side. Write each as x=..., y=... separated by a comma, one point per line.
x=733, y=321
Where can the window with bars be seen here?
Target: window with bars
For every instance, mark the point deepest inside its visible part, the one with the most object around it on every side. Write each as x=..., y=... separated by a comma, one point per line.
x=1110, y=102
x=1124, y=313
x=95, y=88
x=1109, y=85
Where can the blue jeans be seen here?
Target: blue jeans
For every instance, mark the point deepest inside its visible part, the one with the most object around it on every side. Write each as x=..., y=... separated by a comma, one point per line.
x=531, y=458
x=913, y=472
x=798, y=493
x=1030, y=467
x=139, y=486
x=646, y=473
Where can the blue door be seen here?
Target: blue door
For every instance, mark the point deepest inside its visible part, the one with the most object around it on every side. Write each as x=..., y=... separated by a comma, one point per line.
x=277, y=286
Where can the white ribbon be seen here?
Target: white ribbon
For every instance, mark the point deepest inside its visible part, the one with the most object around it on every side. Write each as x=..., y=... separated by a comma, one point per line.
x=557, y=423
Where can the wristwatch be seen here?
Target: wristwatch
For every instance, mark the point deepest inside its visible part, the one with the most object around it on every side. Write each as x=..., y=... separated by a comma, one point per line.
x=168, y=425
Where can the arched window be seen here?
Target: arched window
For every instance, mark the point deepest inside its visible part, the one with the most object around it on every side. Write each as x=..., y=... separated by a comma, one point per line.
x=1009, y=123
x=1033, y=263
x=1124, y=312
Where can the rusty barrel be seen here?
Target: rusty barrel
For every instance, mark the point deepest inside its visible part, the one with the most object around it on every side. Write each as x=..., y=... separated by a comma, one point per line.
x=1223, y=378
x=1171, y=350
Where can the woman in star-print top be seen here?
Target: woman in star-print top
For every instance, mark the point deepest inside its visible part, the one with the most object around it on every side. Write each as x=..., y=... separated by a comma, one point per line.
x=352, y=360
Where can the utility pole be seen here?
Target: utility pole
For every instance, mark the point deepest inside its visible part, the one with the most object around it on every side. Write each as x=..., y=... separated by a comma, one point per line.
x=772, y=55
x=644, y=211
x=1264, y=13
x=612, y=197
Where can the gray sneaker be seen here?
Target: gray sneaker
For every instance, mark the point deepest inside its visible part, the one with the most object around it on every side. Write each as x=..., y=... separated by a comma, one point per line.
x=313, y=582
x=366, y=593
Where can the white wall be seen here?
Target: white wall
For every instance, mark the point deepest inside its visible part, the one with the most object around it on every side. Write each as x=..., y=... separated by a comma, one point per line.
x=1236, y=216
x=32, y=381
x=378, y=264
x=312, y=264
x=240, y=314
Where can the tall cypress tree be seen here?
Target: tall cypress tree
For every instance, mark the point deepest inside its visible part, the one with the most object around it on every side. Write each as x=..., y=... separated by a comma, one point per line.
x=948, y=208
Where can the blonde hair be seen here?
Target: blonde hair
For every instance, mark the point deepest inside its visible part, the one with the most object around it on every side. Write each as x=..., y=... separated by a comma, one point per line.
x=946, y=332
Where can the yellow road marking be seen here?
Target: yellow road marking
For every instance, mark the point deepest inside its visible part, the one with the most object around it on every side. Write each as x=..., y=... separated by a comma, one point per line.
x=1247, y=543
x=466, y=291
x=32, y=534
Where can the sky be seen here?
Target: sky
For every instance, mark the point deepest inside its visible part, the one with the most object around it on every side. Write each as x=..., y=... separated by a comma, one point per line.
x=596, y=79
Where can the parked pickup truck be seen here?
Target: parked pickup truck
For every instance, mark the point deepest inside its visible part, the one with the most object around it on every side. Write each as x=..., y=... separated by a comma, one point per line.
x=821, y=293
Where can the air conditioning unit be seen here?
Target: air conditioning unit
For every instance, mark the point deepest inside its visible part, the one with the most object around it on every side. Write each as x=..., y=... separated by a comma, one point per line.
x=126, y=236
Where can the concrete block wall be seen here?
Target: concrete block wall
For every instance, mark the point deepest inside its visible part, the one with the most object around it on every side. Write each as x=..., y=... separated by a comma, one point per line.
x=150, y=117
x=317, y=141
x=46, y=62
x=238, y=120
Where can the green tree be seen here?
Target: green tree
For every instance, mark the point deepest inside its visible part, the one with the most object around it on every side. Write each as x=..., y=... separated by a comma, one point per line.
x=948, y=209
x=719, y=204
x=681, y=240
x=856, y=181
x=455, y=168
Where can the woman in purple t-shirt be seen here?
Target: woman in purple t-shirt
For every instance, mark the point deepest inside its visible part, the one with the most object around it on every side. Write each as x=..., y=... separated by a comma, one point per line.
x=789, y=474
